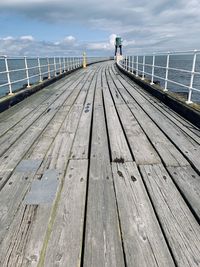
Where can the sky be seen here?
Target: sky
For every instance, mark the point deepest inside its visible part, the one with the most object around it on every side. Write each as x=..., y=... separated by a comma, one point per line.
x=69, y=27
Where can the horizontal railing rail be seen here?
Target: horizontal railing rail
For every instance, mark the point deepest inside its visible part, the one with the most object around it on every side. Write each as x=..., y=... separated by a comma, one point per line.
x=22, y=72
x=177, y=71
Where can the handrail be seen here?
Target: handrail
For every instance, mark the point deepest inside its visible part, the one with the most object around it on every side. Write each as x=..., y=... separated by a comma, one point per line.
x=15, y=70
x=138, y=66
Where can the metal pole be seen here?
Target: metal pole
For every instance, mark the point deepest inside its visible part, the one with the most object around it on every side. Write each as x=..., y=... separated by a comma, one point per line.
x=27, y=72
x=55, y=72
x=143, y=67
x=60, y=63
x=39, y=69
x=167, y=72
x=137, y=67
x=8, y=75
x=132, y=64
x=189, y=101
x=49, y=71
x=64, y=64
x=126, y=63
x=129, y=63
x=84, y=60
x=153, y=66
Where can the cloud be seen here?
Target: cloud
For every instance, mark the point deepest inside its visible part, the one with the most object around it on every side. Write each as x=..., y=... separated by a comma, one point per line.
x=144, y=25
x=69, y=46
x=27, y=38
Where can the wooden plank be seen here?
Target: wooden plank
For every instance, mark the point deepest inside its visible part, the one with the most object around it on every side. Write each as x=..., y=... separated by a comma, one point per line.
x=188, y=181
x=119, y=148
x=80, y=149
x=12, y=116
x=144, y=243
x=185, y=144
x=182, y=123
x=166, y=150
x=102, y=245
x=65, y=244
x=13, y=155
x=15, y=132
x=68, y=129
x=179, y=225
x=142, y=149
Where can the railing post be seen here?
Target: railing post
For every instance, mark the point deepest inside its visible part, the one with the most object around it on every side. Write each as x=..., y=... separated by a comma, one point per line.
x=137, y=67
x=153, y=67
x=189, y=101
x=8, y=75
x=123, y=63
x=126, y=63
x=55, y=71
x=129, y=65
x=49, y=71
x=64, y=64
x=39, y=69
x=84, y=60
x=68, y=64
x=27, y=72
x=132, y=64
x=60, y=63
x=167, y=72
x=143, y=67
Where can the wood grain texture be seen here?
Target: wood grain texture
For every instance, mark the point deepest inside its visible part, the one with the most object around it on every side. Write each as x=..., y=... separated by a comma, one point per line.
x=144, y=243
x=179, y=225
x=65, y=244
x=102, y=245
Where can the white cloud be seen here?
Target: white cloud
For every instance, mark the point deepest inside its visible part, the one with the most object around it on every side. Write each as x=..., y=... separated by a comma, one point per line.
x=27, y=38
x=143, y=24
x=8, y=38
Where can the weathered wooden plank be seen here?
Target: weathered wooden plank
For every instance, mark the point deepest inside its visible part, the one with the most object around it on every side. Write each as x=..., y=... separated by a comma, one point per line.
x=187, y=145
x=144, y=243
x=142, y=149
x=166, y=150
x=15, y=132
x=12, y=116
x=13, y=155
x=118, y=144
x=68, y=129
x=188, y=181
x=182, y=123
x=65, y=244
x=102, y=245
x=80, y=149
x=179, y=225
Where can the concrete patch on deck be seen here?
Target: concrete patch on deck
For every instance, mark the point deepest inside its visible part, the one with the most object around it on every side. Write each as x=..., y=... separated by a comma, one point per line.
x=43, y=191
x=28, y=165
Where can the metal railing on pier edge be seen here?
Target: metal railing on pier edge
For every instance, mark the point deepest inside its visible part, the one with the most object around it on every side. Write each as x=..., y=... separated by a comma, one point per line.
x=175, y=71
x=21, y=72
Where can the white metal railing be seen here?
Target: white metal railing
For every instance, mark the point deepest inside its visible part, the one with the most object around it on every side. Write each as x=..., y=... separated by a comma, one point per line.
x=145, y=66
x=20, y=72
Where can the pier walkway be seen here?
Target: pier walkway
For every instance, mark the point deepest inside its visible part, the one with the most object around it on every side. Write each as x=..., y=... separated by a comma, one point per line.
x=96, y=172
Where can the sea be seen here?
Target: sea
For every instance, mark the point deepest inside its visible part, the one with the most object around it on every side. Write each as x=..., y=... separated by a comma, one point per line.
x=176, y=61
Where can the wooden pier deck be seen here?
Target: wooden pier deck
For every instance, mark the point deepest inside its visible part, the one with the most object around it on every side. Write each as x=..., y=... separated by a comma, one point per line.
x=95, y=172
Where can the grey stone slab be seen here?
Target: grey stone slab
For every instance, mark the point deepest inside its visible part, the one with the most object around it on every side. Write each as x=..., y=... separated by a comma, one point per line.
x=28, y=165
x=43, y=191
